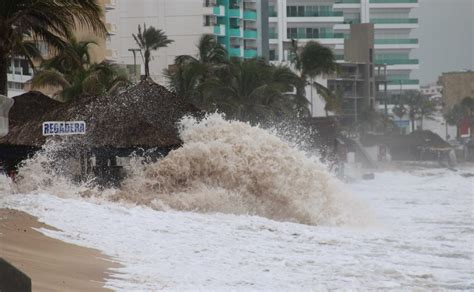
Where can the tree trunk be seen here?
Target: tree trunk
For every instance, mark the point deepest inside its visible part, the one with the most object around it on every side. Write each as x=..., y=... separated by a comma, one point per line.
x=3, y=74
x=147, y=64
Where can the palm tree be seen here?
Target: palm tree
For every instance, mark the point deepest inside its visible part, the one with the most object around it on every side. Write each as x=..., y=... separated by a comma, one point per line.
x=313, y=60
x=427, y=109
x=189, y=73
x=255, y=91
x=72, y=71
x=48, y=20
x=150, y=39
x=455, y=116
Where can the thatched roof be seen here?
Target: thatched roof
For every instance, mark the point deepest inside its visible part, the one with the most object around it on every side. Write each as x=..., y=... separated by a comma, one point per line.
x=143, y=116
x=418, y=139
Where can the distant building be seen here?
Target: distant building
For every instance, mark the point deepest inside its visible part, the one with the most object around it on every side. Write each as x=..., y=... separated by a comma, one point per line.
x=456, y=87
x=328, y=22
x=240, y=26
x=358, y=79
x=432, y=90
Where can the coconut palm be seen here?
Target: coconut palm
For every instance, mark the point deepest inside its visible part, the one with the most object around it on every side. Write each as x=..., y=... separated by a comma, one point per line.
x=48, y=20
x=190, y=72
x=313, y=60
x=150, y=39
x=255, y=91
x=73, y=73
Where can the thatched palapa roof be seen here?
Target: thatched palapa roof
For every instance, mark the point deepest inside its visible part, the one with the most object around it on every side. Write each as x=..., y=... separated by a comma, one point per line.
x=145, y=115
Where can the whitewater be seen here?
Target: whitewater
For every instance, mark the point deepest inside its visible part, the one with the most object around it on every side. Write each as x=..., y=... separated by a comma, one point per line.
x=239, y=208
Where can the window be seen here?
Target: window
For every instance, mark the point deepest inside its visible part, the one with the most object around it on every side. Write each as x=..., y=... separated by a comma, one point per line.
x=272, y=55
x=15, y=85
x=292, y=33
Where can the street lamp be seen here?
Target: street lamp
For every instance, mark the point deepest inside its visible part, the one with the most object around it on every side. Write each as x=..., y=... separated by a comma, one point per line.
x=134, y=51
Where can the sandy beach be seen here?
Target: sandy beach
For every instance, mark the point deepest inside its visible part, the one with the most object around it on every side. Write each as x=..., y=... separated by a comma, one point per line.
x=51, y=264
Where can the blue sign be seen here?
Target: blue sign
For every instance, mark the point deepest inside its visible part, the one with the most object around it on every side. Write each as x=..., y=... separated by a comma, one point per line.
x=402, y=123
x=64, y=128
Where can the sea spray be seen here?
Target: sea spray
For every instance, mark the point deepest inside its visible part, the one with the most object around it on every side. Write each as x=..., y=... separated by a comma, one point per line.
x=223, y=166
x=232, y=167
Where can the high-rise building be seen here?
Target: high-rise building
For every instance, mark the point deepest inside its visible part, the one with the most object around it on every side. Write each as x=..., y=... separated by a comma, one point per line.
x=182, y=21
x=241, y=26
x=328, y=22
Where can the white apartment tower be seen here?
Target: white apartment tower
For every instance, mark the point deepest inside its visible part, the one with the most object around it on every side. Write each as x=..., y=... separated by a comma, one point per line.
x=181, y=20
x=328, y=22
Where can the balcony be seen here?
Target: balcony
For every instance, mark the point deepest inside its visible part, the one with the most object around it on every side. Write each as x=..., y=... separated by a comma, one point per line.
x=250, y=34
x=235, y=32
x=250, y=15
x=393, y=1
x=273, y=35
x=401, y=43
x=394, y=4
x=397, y=62
x=235, y=52
x=403, y=82
x=396, y=41
x=235, y=13
x=318, y=14
x=219, y=10
x=250, y=53
x=316, y=36
x=394, y=20
x=219, y=30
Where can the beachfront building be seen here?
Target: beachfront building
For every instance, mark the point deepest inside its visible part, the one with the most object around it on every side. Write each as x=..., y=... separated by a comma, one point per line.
x=328, y=22
x=182, y=21
x=241, y=26
x=20, y=71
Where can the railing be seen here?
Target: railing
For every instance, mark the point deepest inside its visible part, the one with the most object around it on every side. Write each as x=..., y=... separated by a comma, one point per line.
x=403, y=82
x=395, y=41
x=235, y=32
x=318, y=14
x=249, y=14
x=397, y=61
x=235, y=13
x=250, y=53
x=347, y=1
x=393, y=1
x=235, y=52
x=393, y=20
x=316, y=36
x=250, y=34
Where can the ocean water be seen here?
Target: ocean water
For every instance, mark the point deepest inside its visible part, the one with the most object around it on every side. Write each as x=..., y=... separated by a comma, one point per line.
x=238, y=208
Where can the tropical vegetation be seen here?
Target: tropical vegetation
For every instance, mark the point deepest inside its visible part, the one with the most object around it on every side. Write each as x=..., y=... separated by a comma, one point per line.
x=313, y=60
x=461, y=112
x=72, y=73
x=150, y=39
x=250, y=90
x=24, y=21
x=416, y=106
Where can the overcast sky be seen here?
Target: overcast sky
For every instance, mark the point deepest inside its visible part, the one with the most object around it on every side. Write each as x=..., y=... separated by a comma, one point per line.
x=446, y=36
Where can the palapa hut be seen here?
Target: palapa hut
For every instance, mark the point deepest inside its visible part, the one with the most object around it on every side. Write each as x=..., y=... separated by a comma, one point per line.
x=143, y=117
x=417, y=146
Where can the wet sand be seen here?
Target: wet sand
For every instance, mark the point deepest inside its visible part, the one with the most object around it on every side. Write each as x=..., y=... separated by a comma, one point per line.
x=51, y=264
